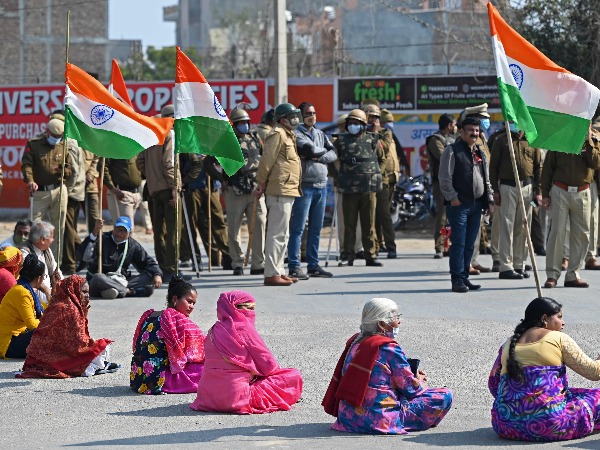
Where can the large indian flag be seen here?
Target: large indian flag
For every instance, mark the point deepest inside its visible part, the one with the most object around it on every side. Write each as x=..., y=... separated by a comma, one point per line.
x=104, y=125
x=201, y=124
x=553, y=106
x=117, y=85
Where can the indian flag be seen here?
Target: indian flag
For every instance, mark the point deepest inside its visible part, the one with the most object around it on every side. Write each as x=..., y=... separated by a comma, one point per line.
x=104, y=125
x=553, y=106
x=201, y=124
x=117, y=85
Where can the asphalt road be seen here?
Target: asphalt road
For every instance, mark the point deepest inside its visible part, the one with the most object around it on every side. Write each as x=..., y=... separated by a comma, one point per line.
x=456, y=336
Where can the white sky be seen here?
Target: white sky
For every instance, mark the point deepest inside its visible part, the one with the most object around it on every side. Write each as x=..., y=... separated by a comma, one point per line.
x=141, y=19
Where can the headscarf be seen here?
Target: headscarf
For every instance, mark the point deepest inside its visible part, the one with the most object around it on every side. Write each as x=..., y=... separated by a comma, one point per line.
x=11, y=259
x=236, y=338
x=61, y=346
x=376, y=310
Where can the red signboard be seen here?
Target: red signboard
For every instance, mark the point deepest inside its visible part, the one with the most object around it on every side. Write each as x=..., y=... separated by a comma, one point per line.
x=24, y=113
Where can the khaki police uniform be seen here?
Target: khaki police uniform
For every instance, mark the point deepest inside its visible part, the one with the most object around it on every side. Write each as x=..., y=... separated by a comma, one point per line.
x=122, y=174
x=384, y=227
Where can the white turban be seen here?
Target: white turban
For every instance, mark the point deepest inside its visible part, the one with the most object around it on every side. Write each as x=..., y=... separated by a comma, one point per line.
x=376, y=310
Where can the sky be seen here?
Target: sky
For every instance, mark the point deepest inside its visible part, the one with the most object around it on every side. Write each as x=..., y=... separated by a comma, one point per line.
x=141, y=19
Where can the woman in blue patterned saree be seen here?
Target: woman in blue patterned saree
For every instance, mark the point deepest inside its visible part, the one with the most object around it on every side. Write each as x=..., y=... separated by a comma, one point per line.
x=533, y=400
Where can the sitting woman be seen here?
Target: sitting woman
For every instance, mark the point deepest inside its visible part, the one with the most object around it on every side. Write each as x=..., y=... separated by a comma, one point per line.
x=11, y=259
x=168, y=348
x=240, y=374
x=533, y=400
x=61, y=346
x=21, y=310
x=373, y=389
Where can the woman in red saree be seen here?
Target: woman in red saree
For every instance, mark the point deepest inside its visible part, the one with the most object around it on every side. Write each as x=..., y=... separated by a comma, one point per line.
x=61, y=346
x=241, y=375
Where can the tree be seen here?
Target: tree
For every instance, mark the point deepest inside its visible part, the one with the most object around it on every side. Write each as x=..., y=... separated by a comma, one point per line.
x=157, y=64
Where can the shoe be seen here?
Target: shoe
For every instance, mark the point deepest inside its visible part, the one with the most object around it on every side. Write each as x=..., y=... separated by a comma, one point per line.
x=592, y=264
x=360, y=255
x=110, y=293
x=226, y=262
x=296, y=272
x=577, y=283
x=318, y=271
x=350, y=262
x=471, y=286
x=373, y=263
x=143, y=291
x=474, y=271
x=445, y=254
x=510, y=275
x=108, y=368
x=438, y=255
x=459, y=287
x=565, y=264
x=481, y=268
x=257, y=271
x=239, y=271
x=391, y=254
x=288, y=278
x=550, y=283
x=522, y=272
x=277, y=281
x=540, y=252
x=185, y=264
x=496, y=266
x=528, y=267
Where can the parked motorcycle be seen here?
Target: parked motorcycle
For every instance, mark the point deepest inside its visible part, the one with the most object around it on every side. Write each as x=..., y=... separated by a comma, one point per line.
x=412, y=200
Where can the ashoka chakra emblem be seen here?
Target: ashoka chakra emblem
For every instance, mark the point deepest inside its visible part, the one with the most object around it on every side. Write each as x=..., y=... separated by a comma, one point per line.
x=101, y=114
x=517, y=74
x=218, y=108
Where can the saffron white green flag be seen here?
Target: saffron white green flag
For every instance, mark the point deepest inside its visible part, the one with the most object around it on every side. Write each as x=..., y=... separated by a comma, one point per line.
x=201, y=124
x=104, y=125
x=553, y=106
x=117, y=85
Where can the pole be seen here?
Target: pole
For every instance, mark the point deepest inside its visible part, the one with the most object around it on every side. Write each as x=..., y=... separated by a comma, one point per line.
x=209, y=187
x=177, y=218
x=189, y=230
x=251, y=232
x=281, y=83
x=522, y=207
x=333, y=227
x=61, y=224
x=100, y=213
x=31, y=206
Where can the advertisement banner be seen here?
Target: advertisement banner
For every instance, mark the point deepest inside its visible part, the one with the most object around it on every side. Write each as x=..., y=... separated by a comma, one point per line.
x=24, y=113
x=395, y=94
x=452, y=93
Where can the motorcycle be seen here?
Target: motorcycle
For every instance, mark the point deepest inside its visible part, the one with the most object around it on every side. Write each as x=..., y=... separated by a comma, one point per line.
x=412, y=200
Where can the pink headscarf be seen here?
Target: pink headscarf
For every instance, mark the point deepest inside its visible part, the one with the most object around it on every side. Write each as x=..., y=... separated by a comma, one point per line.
x=236, y=338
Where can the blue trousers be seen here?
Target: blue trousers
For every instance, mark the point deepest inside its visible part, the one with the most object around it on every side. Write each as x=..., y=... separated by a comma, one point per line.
x=464, y=222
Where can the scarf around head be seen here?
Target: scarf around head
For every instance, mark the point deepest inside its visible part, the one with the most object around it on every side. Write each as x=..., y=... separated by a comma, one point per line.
x=61, y=346
x=235, y=336
x=11, y=259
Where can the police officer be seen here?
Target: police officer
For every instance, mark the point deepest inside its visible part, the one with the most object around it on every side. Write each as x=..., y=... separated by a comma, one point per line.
x=237, y=190
x=41, y=166
x=266, y=124
x=362, y=160
x=512, y=234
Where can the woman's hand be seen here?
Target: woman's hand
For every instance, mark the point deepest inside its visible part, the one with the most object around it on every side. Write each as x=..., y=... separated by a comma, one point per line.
x=421, y=376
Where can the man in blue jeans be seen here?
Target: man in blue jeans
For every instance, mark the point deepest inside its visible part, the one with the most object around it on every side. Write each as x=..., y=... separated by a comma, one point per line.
x=465, y=183
x=316, y=151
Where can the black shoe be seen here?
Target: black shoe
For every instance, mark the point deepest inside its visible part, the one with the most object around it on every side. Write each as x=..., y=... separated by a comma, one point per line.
x=391, y=254
x=350, y=262
x=360, y=255
x=540, y=252
x=296, y=272
x=144, y=291
x=459, y=287
x=373, y=263
x=471, y=286
x=226, y=262
x=185, y=264
x=446, y=254
x=510, y=275
x=257, y=271
x=527, y=267
x=318, y=271
x=238, y=271
x=522, y=272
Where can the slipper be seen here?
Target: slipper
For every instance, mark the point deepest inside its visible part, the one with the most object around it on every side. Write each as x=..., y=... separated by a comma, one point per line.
x=108, y=368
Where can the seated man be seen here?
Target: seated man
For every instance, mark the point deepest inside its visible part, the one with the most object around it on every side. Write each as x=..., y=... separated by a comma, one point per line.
x=119, y=251
x=20, y=234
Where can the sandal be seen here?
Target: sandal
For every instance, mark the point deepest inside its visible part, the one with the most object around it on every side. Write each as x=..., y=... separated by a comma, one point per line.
x=108, y=368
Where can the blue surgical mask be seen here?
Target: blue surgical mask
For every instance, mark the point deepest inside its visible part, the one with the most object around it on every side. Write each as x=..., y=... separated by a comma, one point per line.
x=389, y=126
x=484, y=124
x=512, y=127
x=53, y=140
x=393, y=333
x=243, y=128
x=355, y=129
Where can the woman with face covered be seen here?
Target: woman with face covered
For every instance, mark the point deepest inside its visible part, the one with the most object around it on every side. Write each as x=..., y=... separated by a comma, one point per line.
x=373, y=389
x=240, y=374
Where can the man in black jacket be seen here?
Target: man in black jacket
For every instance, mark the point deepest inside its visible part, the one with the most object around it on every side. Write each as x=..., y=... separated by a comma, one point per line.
x=119, y=251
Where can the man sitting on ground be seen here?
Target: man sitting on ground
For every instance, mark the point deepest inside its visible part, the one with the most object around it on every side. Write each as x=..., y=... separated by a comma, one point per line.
x=119, y=251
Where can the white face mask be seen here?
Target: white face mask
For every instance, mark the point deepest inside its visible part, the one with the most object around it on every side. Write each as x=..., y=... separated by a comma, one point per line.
x=117, y=242
x=294, y=122
x=53, y=140
x=393, y=333
x=355, y=129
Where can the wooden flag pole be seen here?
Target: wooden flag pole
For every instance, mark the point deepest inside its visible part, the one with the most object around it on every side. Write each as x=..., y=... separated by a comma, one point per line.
x=209, y=187
x=100, y=208
x=177, y=230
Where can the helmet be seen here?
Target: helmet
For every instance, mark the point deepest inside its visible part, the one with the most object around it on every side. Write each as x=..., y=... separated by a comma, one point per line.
x=372, y=110
x=386, y=116
x=167, y=111
x=342, y=119
x=285, y=109
x=357, y=114
x=238, y=114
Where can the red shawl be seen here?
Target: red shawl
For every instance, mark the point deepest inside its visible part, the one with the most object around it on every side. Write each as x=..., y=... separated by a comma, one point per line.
x=61, y=346
x=352, y=387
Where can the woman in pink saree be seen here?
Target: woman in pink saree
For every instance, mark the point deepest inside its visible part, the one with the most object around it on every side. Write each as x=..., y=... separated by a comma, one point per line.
x=240, y=374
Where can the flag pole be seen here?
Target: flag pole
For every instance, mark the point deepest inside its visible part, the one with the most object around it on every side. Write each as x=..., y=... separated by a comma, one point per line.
x=522, y=207
x=100, y=208
x=209, y=186
x=177, y=234
x=61, y=224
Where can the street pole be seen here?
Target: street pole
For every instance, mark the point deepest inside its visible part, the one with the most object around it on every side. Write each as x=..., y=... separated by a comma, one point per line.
x=281, y=85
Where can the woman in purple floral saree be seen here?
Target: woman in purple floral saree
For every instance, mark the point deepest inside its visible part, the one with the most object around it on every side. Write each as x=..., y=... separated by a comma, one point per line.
x=533, y=400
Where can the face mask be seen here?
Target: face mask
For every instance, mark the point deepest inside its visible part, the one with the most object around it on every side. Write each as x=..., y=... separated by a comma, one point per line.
x=243, y=128
x=484, y=123
x=53, y=140
x=117, y=242
x=355, y=129
x=513, y=127
x=294, y=122
x=393, y=333
x=389, y=126
x=19, y=239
